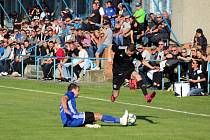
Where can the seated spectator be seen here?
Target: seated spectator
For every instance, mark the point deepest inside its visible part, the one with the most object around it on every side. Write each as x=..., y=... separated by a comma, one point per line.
x=70, y=52
x=17, y=53
x=82, y=59
x=193, y=53
x=1, y=48
x=87, y=44
x=158, y=32
x=155, y=75
x=184, y=61
x=137, y=32
x=95, y=17
x=197, y=80
x=144, y=52
x=60, y=54
x=47, y=64
x=123, y=36
x=4, y=58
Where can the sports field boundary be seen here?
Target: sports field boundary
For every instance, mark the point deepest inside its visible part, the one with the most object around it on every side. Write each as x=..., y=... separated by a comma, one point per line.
x=119, y=102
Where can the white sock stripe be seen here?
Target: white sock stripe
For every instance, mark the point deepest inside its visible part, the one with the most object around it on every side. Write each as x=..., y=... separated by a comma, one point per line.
x=124, y=103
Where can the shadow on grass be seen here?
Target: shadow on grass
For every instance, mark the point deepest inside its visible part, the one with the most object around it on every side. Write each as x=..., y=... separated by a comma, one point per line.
x=146, y=118
x=113, y=125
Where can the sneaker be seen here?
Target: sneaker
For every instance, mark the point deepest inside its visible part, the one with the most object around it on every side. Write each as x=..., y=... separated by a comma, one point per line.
x=150, y=96
x=113, y=98
x=124, y=119
x=93, y=126
x=4, y=73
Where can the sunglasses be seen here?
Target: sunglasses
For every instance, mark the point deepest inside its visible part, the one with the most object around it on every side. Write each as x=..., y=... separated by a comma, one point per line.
x=160, y=44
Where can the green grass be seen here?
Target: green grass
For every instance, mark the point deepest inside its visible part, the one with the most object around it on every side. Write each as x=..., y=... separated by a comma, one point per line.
x=31, y=115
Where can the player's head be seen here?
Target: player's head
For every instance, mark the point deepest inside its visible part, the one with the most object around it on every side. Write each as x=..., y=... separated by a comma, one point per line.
x=74, y=88
x=131, y=50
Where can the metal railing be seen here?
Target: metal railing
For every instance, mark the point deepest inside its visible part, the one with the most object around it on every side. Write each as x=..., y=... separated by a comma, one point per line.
x=38, y=58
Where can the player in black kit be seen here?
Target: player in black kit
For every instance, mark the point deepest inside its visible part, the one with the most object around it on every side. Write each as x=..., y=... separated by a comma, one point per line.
x=123, y=68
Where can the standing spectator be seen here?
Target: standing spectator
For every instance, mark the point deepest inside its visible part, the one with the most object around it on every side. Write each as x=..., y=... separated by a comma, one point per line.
x=139, y=14
x=200, y=39
x=106, y=42
x=110, y=12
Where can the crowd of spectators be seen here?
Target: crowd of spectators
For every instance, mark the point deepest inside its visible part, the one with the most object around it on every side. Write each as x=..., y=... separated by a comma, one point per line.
x=70, y=37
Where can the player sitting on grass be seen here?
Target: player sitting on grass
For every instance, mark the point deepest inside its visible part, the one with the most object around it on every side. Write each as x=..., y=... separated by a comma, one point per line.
x=72, y=118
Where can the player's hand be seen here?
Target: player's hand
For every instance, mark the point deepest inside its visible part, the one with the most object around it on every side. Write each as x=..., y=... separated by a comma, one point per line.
x=110, y=61
x=193, y=81
x=66, y=111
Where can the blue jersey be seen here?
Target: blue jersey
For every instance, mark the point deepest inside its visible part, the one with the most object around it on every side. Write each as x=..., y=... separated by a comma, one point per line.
x=75, y=118
x=110, y=11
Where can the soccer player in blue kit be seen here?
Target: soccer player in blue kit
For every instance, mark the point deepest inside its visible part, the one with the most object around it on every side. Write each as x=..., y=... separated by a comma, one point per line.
x=72, y=118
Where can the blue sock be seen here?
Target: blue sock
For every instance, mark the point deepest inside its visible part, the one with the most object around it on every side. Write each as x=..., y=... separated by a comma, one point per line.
x=110, y=119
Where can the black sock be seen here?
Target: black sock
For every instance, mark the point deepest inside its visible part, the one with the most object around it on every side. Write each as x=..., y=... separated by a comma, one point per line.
x=143, y=87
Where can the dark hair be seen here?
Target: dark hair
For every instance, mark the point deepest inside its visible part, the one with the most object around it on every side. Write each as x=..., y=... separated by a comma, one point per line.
x=199, y=30
x=51, y=41
x=131, y=47
x=197, y=62
x=26, y=40
x=72, y=86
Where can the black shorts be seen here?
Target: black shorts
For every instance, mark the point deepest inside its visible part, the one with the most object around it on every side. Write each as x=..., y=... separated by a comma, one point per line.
x=89, y=118
x=119, y=78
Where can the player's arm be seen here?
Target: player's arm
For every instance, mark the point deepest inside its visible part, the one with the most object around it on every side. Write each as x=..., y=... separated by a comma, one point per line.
x=64, y=101
x=145, y=63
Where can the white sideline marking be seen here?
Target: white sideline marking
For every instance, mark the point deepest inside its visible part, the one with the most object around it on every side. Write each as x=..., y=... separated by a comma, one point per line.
x=124, y=103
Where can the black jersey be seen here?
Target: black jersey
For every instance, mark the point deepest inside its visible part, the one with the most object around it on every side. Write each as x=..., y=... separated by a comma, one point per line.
x=195, y=75
x=122, y=62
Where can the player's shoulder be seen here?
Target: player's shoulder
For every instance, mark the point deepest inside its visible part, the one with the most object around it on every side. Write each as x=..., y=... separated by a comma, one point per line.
x=70, y=94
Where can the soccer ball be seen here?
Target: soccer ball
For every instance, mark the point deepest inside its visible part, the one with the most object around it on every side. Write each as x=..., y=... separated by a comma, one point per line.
x=131, y=119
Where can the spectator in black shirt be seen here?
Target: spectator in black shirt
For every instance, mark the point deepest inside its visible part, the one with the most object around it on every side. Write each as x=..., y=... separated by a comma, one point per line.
x=123, y=68
x=200, y=39
x=95, y=17
x=197, y=79
x=137, y=32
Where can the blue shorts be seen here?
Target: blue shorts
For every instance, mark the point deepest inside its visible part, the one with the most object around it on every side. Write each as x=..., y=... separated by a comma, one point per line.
x=81, y=119
x=77, y=120
x=101, y=48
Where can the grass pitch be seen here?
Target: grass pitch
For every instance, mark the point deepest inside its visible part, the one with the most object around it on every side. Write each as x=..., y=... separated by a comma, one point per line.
x=29, y=110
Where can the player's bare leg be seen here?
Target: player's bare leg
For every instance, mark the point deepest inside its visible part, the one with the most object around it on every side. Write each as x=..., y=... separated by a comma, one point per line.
x=115, y=94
